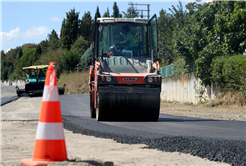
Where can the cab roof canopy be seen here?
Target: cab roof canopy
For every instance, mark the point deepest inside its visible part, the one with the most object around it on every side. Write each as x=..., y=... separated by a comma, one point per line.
x=122, y=20
x=36, y=67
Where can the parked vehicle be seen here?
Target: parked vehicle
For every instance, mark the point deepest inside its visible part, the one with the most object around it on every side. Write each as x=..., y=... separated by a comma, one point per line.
x=34, y=81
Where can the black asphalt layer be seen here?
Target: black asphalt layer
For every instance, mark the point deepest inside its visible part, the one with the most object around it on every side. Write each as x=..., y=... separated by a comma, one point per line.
x=8, y=94
x=216, y=140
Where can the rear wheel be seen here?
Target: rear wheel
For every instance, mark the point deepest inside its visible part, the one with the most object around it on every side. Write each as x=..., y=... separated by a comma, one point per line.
x=92, y=109
x=98, y=117
x=99, y=114
x=61, y=91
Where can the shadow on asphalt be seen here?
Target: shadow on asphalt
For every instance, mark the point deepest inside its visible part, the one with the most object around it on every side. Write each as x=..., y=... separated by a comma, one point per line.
x=90, y=162
x=183, y=120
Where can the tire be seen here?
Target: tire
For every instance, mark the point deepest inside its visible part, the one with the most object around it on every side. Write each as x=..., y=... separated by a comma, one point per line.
x=92, y=109
x=61, y=91
x=98, y=111
x=18, y=93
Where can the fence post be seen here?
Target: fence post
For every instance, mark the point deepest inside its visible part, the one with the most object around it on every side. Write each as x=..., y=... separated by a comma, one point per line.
x=166, y=70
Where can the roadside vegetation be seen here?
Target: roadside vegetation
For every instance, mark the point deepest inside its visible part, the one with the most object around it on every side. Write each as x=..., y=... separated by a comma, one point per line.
x=210, y=35
x=76, y=82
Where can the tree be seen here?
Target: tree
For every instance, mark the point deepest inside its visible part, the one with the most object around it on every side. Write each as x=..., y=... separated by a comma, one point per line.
x=98, y=15
x=192, y=7
x=44, y=45
x=2, y=54
x=106, y=14
x=27, y=59
x=53, y=40
x=116, y=13
x=80, y=45
x=70, y=60
x=5, y=66
x=132, y=12
x=85, y=27
x=178, y=14
x=165, y=37
x=225, y=37
x=38, y=50
x=20, y=53
x=69, y=29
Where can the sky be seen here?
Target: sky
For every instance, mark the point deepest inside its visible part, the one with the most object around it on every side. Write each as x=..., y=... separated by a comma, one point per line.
x=31, y=21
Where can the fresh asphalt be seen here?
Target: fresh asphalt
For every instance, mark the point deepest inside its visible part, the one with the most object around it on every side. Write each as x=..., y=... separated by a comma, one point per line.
x=216, y=140
x=78, y=105
x=8, y=94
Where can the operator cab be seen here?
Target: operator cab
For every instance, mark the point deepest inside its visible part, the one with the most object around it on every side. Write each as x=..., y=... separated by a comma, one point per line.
x=123, y=41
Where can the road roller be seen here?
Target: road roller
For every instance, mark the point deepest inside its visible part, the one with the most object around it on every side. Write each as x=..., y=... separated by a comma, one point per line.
x=124, y=78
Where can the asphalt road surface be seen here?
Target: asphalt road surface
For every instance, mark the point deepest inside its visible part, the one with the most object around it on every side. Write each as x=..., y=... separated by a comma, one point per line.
x=78, y=105
x=8, y=94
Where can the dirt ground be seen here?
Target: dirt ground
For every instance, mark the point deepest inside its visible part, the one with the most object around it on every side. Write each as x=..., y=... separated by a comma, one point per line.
x=19, y=125
x=205, y=112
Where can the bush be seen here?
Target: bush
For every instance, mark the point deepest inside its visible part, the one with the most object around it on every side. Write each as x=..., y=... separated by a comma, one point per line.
x=80, y=45
x=233, y=70
x=180, y=66
x=87, y=55
x=52, y=56
x=217, y=77
x=229, y=72
x=70, y=60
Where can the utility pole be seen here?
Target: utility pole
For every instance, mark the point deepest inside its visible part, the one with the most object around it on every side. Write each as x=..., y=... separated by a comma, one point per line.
x=140, y=9
x=131, y=9
x=148, y=11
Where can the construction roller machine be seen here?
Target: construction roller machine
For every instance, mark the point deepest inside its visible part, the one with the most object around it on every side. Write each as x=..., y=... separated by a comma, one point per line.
x=125, y=79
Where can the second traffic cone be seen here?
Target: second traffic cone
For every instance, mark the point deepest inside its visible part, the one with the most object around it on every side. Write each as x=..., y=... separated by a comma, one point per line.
x=50, y=144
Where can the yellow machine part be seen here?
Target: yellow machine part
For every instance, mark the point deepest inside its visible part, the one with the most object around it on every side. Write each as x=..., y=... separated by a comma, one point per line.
x=36, y=67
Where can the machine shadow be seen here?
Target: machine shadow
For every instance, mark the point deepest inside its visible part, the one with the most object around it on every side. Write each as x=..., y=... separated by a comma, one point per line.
x=90, y=162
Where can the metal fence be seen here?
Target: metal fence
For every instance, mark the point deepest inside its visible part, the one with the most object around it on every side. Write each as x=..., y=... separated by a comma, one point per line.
x=168, y=70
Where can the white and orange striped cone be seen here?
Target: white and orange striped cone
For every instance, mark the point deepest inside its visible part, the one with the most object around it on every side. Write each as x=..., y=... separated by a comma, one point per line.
x=50, y=144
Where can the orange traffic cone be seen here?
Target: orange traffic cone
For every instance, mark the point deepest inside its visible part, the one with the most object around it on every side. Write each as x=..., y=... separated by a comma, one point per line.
x=50, y=142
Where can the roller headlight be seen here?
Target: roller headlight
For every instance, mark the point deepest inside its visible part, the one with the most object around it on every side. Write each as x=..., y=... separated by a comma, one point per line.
x=150, y=80
x=108, y=79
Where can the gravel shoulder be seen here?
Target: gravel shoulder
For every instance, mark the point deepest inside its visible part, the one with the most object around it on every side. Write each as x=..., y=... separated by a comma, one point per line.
x=18, y=129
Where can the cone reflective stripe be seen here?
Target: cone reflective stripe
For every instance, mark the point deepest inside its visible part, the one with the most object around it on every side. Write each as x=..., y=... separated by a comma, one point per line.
x=50, y=144
x=50, y=94
x=50, y=131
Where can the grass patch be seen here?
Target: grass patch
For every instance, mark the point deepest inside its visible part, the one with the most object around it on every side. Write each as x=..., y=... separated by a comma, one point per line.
x=76, y=82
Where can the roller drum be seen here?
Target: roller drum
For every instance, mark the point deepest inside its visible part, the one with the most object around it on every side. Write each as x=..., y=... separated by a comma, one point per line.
x=131, y=105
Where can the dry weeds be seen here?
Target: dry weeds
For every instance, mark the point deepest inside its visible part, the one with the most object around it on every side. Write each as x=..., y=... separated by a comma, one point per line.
x=76, y=83
x=230, y=98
